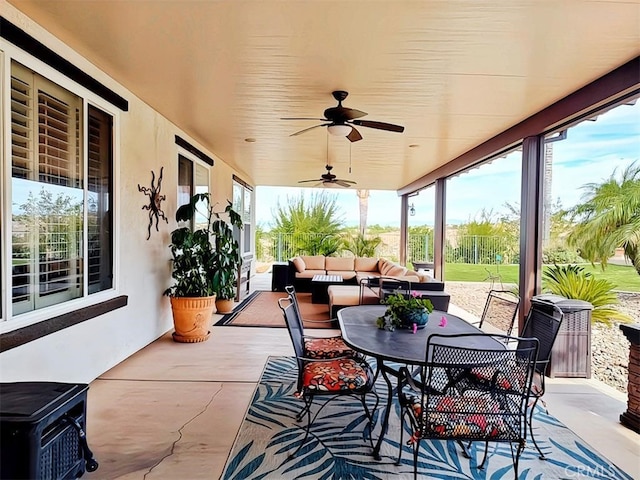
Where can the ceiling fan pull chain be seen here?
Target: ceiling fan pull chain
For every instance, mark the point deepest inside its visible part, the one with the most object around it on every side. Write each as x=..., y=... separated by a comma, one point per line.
x=328, y=148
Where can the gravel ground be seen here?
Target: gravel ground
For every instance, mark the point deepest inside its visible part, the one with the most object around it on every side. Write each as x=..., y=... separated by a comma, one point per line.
x=609, y=346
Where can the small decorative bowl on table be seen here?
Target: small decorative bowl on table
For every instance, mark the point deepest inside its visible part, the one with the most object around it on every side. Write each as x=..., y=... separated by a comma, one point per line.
x=405, y=310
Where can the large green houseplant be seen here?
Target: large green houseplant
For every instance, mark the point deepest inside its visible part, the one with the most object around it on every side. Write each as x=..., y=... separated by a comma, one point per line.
x=205, y=263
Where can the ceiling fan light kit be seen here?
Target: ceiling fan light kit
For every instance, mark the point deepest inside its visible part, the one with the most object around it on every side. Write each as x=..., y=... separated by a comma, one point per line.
x=342, y=120
x=339, y=130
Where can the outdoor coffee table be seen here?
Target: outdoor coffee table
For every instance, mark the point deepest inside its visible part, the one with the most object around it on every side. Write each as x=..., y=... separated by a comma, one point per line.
x=319, y=286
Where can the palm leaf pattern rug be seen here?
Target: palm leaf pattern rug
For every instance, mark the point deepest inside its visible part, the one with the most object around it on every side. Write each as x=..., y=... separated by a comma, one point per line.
x=338, y=445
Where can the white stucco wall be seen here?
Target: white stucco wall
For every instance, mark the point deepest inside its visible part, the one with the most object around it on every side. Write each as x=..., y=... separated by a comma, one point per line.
x=146, y=142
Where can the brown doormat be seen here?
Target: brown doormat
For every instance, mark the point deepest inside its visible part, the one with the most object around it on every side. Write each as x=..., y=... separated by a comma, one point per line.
x=261, y=309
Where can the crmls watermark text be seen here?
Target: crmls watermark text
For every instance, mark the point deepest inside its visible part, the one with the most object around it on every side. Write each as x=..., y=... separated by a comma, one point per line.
x=600, y=471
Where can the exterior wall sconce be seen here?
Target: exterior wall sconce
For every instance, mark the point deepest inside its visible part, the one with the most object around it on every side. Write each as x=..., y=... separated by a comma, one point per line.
x=412, y=210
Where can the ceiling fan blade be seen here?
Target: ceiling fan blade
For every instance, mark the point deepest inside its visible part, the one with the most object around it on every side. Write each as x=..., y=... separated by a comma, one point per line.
x=341, y=114
x=344, y=183
x=352, y=113
x=380, y=125
x=354, y=136
x=314, y=180
x=310, y=128
x=305, y=118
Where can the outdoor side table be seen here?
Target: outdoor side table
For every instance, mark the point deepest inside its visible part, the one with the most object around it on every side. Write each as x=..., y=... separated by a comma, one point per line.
x=319, y=286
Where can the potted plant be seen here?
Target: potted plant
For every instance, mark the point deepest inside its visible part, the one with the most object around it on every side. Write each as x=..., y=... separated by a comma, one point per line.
x=205, y=262
x=405, y=310
x=225, y=258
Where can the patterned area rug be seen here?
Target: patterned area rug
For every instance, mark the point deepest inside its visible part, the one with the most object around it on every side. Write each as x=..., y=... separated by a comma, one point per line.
x=338, y=448
x=261, y=309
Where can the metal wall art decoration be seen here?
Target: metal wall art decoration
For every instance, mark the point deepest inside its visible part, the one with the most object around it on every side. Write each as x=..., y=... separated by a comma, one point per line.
x=155, y=212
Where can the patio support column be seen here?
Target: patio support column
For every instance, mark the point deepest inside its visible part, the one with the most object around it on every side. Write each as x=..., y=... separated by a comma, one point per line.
x=440, y=229
x=531, y=222
x=404, y=227
x=631, y=418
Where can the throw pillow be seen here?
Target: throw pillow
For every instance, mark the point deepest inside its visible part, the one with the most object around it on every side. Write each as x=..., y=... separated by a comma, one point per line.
x=396, y=271
x=299, y=264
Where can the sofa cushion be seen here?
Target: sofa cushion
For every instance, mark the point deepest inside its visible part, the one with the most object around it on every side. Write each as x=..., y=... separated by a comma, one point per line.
x=366, y=264
x=299, y=264
x=350, y=295
x=314, y=262
x=344, y=295
x=308, y=273
x=339, y=263
x=366, y=275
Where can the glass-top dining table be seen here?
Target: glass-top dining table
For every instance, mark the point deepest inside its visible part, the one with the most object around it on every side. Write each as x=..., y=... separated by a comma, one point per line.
x=402, y=346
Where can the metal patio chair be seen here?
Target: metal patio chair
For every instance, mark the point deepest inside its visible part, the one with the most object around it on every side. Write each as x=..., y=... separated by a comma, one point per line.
x=318, y=347
x=544, y=327
x=329, y=378
x=438, y=403
x=500, y=310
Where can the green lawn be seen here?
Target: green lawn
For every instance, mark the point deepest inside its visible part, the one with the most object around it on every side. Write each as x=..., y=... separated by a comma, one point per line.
x=623, y=277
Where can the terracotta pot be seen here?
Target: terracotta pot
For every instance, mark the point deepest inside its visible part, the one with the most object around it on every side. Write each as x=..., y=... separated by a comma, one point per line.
x=224, y=305
x=192, y=318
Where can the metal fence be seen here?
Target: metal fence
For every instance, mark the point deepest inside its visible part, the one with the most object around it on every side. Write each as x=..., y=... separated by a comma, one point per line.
x=477, y=249
x=482, y=249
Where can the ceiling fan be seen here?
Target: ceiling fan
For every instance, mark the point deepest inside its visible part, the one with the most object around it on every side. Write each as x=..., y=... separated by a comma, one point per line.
x=328, y=179
x=341, y=120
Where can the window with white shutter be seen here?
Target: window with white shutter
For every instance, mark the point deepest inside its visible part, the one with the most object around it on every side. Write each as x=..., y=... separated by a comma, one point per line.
x=49, y=184
x=242, y=203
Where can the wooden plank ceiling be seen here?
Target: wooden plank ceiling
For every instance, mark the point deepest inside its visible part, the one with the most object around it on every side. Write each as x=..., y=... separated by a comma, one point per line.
x=453, y=73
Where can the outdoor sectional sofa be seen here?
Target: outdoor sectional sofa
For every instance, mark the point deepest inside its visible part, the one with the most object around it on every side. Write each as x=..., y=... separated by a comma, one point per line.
x=359, y=275
x=352, y=270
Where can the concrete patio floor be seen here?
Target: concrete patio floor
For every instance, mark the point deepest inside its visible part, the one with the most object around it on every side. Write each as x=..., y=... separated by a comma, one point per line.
x=172, y=411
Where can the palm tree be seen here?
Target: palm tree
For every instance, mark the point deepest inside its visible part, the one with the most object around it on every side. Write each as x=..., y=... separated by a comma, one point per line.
x=313, y=223
x=609, y=218
x=363, y=202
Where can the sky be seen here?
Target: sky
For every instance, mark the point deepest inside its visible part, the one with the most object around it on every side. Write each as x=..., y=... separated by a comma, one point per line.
x=590, y=153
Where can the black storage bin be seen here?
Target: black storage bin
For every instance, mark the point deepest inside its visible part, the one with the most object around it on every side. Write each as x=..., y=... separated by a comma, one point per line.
x=42, y=431
x=571, y=354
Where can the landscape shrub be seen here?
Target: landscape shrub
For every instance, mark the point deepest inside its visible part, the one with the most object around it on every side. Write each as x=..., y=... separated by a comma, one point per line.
x=571, y=281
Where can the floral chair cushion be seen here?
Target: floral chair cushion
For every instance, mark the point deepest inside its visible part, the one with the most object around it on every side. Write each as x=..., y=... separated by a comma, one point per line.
x=326, y=348
x=503, y=378
x=462, y=417
x=334, y=375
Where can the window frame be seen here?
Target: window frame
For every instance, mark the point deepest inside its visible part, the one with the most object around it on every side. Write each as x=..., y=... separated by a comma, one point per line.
x=8, y=321
x=245, y=189
x=195, y=164
x=3, y=250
